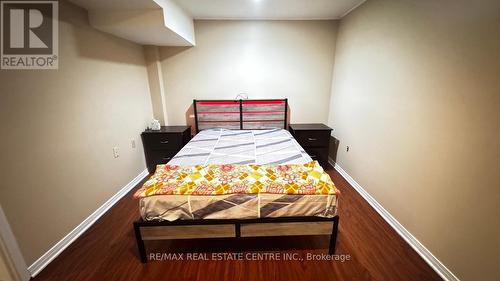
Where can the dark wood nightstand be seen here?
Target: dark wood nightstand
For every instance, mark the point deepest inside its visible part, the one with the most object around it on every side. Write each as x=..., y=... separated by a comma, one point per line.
x=160, y=146
x=314, y=138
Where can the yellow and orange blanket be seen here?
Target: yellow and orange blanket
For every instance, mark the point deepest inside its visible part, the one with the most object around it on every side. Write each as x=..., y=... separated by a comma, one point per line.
x=217, y=179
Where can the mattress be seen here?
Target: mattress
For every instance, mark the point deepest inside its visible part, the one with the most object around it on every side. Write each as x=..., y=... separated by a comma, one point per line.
x=222, y=146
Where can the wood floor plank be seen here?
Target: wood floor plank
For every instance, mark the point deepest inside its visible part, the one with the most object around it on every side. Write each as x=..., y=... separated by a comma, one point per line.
x=107, y=251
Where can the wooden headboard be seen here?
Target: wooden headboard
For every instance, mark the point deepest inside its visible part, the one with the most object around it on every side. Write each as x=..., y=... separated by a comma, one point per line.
x=240, y=114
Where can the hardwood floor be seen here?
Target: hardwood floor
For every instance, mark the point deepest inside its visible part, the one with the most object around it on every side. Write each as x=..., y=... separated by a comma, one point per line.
x=107, y=251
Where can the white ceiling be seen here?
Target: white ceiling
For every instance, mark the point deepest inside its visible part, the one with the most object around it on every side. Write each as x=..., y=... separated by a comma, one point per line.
x=268, y=9
x=239, y=9
x=116, y=4
x=170, y=22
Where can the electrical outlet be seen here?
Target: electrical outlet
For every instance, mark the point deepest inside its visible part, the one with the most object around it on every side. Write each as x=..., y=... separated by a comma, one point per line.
x=132, y=143
x=347, y=149
x=116, y=152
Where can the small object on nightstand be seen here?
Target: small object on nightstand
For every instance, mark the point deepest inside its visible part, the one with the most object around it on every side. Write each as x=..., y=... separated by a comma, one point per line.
x=314, y=138
x=161, y=145
x=155, y=125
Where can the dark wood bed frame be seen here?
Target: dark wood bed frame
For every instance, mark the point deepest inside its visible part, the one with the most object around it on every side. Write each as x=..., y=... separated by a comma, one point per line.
x=235, y=228
x=241, y=113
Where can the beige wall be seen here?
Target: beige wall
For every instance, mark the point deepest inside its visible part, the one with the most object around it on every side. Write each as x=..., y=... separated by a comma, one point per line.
x=59, y=127
x=416, y=95
x=7, y=269
x=155, y=79
x=265, y=59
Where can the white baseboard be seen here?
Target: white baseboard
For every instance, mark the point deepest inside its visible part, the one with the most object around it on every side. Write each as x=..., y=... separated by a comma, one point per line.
x=428, y=257
x=57, y=249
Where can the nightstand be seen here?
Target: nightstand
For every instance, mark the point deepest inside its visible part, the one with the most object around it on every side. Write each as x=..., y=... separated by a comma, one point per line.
x=160, y=146
x=314, y=138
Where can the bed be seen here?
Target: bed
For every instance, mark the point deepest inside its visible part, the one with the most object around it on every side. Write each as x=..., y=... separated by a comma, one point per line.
x=176, y=214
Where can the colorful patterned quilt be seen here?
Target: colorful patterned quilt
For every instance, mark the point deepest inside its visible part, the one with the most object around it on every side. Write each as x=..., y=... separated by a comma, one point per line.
x=221, y=179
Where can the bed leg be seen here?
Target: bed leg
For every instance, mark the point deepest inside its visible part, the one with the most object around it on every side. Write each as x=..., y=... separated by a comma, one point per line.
x=333, y=236
x=237, y=230
x=140, y=242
